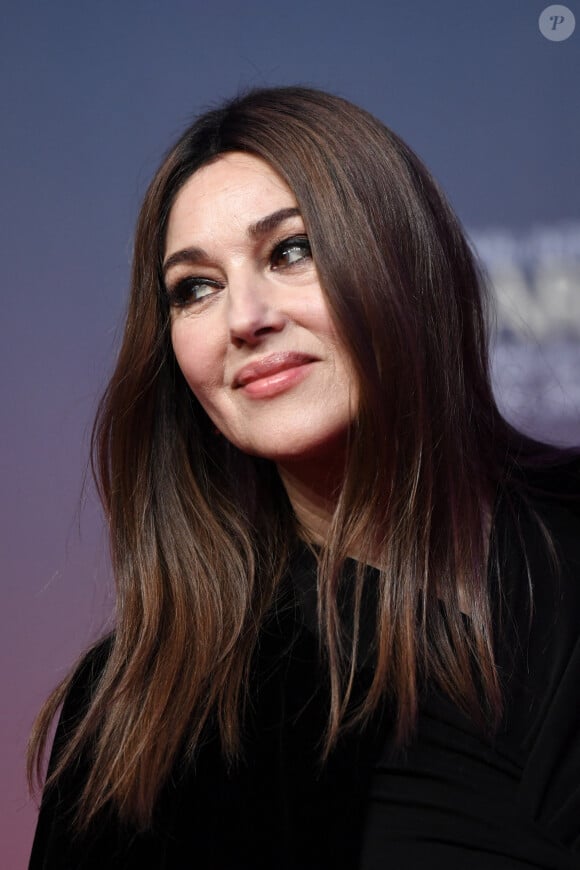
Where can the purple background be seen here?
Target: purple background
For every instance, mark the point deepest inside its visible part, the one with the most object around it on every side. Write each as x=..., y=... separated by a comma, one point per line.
x=91, y=96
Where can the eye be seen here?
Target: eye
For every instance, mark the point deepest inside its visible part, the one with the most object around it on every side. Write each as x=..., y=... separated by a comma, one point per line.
x=191, y=290
x=290, y=252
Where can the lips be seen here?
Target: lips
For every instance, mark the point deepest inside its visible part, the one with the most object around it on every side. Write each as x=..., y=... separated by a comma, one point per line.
x=269, y=366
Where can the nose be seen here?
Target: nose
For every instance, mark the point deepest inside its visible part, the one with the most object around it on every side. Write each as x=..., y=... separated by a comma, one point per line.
x=252, y=309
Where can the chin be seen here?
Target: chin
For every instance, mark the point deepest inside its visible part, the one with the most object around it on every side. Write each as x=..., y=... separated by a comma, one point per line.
x=294, y=452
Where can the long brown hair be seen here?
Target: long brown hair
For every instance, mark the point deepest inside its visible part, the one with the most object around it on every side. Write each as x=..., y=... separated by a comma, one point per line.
x=200, y=533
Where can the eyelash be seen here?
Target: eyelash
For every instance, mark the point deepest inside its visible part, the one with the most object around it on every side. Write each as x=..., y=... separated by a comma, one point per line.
x=299, y=242
x=183, y=293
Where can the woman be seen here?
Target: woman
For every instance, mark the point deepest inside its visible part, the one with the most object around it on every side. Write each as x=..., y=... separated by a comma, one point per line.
x=347, y=588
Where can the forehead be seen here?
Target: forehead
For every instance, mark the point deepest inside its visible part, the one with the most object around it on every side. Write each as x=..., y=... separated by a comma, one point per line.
x=235, y=184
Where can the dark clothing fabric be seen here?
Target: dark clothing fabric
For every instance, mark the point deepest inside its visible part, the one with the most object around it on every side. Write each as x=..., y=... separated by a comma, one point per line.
x=453, y=799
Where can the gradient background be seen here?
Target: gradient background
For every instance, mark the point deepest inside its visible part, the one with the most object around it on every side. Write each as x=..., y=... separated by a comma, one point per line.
x=91, y=96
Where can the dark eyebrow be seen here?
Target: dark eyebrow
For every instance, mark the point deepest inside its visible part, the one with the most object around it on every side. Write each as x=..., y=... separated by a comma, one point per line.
x=261, y=228
x=186, y=255
x=269, y=223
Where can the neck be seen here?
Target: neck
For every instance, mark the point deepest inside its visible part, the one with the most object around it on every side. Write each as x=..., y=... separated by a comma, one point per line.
x=313, y=491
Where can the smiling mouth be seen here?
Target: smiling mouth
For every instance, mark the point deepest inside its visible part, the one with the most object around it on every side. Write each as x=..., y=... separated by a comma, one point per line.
x=273, y=375
x=270, y=366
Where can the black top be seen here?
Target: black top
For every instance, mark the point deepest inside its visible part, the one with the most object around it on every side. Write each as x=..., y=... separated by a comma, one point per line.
x=454, y=799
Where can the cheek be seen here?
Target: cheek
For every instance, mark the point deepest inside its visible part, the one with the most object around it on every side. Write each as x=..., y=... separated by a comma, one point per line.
x=195, y=356
x=316, y=316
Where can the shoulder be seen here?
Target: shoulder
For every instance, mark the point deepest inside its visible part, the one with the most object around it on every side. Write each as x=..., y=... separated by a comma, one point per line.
x=88, y=671
x=540, y=509
x=537, y=552
x=556, y=480
x=80, y=689
x=537, y=524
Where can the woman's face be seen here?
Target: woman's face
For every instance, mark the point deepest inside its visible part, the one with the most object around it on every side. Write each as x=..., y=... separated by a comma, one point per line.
x=250, y=327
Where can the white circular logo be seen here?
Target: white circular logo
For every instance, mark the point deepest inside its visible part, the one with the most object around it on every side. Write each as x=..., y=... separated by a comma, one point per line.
x=557, y=23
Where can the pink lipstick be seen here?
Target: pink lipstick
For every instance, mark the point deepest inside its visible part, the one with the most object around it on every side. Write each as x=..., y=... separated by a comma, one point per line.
x=272, y=375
